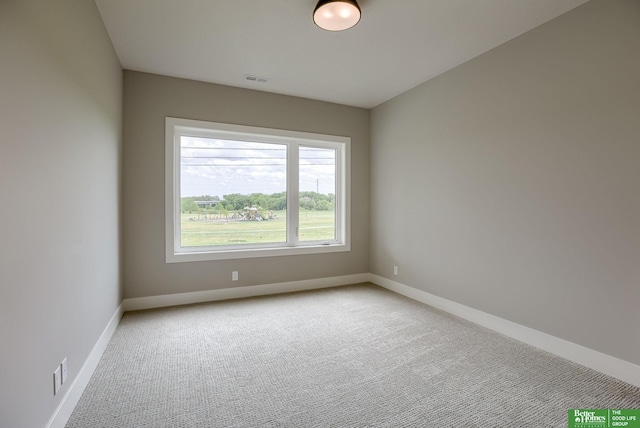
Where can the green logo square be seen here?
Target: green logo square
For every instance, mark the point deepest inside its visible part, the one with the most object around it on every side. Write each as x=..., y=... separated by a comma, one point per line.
x=588, y=418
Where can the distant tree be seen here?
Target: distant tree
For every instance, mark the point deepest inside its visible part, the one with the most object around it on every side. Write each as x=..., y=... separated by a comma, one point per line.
x=307, y=203
x=224, y=212
x=236, y=201
x=189, y=206
x=324, y=206
x=277, y=201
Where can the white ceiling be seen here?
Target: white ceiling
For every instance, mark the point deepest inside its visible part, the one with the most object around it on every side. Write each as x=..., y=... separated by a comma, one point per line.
x=397, y=45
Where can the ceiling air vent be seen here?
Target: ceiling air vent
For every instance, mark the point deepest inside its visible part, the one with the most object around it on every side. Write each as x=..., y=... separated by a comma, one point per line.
x=256, y=78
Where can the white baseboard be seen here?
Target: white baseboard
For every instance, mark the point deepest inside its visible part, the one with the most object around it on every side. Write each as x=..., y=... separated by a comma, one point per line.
x=612, y=366
x=151, y=302
x=63, y=412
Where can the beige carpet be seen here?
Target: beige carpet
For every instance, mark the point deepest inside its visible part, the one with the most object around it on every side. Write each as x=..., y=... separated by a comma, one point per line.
x=356, y=356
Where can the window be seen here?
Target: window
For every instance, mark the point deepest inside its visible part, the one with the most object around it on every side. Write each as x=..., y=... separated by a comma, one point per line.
x=238, y=191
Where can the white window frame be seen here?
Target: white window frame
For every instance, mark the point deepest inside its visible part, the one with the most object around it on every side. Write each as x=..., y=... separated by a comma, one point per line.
x=175, y=128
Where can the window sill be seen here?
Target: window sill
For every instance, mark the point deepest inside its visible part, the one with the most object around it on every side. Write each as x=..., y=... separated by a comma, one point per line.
x=173, y=257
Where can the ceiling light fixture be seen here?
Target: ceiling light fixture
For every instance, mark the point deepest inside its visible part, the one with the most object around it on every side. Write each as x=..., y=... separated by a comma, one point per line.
x=336, y=15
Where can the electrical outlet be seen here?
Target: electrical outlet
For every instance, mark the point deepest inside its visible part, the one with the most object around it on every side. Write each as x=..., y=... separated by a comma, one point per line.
x=63, y=366
x=395, y=270
x=57, y=380
x=234, y=275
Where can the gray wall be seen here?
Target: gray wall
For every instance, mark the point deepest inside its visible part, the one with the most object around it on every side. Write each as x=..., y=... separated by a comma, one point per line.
x=511, y=184
x=60, y=116
x=148, y=99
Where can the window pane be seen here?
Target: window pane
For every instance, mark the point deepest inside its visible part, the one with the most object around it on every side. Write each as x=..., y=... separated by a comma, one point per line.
x=232, y=192
x=317, y=217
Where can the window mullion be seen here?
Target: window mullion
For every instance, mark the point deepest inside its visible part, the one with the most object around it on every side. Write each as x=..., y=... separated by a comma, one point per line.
x=293, y=182
x=340, y=194
x=177, y=150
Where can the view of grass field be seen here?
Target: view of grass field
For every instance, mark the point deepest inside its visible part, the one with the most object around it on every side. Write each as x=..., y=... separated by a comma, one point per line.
x=216, y=229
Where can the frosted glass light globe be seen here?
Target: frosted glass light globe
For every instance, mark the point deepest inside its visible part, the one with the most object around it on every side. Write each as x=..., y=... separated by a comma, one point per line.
x=336, y=15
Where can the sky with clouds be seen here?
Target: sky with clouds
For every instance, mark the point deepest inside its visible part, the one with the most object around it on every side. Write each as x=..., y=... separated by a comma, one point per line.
x=218, y=167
